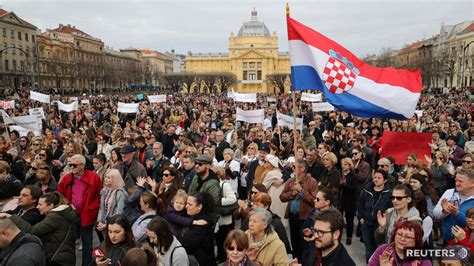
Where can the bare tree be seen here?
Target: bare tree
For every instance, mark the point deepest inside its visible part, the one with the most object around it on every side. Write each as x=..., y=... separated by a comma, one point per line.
x=386, y=58
x=225, y=80
x=278, y=81
x=173, y=81
x=210, y=80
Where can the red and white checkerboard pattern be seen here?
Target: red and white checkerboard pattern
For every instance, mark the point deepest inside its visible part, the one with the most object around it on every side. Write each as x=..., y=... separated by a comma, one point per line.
x=337, y=77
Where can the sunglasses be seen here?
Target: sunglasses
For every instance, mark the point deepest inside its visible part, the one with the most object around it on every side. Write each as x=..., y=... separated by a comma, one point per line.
x=167, y=175
x=382, y=165
x=466, y=161
x=234, y=248
x=200, y=164
x=318, y=199
x=54, y=142
x=36, y=144
x=42, y=155
x=74, y=165
x=398, y=198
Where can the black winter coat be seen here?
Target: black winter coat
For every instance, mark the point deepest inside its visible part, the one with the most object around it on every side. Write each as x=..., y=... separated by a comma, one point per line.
x=367, y=208
x=198, y=240
x=58, y=233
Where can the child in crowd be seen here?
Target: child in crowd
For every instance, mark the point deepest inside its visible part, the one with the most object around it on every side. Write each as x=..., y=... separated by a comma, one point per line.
x=176, y=214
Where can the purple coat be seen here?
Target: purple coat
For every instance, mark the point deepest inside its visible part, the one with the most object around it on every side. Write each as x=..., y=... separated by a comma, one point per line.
x=178, y=220
x=375, y=260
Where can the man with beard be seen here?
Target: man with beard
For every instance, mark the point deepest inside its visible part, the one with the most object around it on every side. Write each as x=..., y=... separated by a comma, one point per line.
x=129, y=168
x=315, y=167
x=327, y=248
x=206, y=180
x=156, y=163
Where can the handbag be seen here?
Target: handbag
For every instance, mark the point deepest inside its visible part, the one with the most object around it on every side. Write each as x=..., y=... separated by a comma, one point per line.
x=229, y=209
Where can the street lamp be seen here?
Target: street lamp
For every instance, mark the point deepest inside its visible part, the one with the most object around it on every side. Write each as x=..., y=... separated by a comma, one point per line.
x=464, y=62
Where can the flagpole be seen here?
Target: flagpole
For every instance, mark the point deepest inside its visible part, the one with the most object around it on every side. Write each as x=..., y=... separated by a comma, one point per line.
x=295, y=172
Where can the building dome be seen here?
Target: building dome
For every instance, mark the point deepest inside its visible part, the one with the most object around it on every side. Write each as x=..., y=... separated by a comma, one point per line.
x=254, y=27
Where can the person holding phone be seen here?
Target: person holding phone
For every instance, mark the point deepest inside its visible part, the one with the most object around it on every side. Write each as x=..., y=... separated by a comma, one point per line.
x=118, y=240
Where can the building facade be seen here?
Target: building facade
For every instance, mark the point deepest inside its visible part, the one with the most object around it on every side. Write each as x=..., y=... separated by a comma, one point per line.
x=154, y=64
x=17, y=51
x=252, y=56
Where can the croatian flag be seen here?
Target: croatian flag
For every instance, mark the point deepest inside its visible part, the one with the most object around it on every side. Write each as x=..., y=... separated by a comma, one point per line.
x=318, y=63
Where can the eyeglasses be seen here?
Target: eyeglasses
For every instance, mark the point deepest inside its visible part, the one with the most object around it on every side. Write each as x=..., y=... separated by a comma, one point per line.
x=234, y=248
x=22, y=140
x=319, y=233
x=200, y=164
x=74, y=165
x=42, y=155
x=382, y=165
x=167, y=174
x=398, y=198
x=400, y=235
x=466, y=161
x=36, y=144
x=253, y=192
x=181, y=135
x=54, y=142
x=319, y=199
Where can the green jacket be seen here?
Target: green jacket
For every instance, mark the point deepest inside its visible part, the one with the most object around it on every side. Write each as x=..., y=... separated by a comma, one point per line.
x=211, y=186
x=55, y=229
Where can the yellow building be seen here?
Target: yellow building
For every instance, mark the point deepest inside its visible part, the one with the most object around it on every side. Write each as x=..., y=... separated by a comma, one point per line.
x=17, y=51
x=253, y=55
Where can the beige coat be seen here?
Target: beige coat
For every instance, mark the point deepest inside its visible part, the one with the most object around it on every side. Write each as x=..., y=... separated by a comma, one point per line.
x=272, y=251
x=278, y=207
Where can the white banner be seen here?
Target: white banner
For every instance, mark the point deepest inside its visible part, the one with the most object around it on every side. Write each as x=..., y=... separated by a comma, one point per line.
x=130, y=108
x=286, y=120
x=271, y=100
x=23, y=131
x=40, y=97
x=157, y=98
x=85, y=101
x=244, y=97
x=7, y=104
x=253, y=116
x=67, y=107
x=29, y=122
x=74, y=99
x=38, y=112
x=419, y=113
x=310, y=97
x=322, y=107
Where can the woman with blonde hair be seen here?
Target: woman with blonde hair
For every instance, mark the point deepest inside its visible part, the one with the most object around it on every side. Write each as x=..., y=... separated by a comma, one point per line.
x=330, y=178
x=112, y=197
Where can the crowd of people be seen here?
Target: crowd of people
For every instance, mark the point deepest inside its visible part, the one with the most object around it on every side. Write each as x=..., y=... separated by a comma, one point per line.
x=184, y=183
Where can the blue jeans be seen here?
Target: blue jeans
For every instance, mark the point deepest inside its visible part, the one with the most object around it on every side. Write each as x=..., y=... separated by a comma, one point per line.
x=368, y=232
x=86, y=237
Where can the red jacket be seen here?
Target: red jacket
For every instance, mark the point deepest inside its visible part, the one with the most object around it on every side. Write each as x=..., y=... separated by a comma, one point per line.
x=91, y=196
x=465, y=242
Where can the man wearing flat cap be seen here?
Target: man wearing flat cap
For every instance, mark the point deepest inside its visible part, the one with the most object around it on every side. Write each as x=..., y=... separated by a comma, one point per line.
x=206, y=180
x=129, y=168
x=256, y=169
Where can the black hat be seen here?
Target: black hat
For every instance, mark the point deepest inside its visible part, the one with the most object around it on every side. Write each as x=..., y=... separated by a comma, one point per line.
x=264, y=147
x=127, y=149
x=204, y=159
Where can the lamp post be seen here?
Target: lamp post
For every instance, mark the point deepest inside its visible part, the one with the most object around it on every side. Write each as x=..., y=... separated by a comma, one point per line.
x=464, y=62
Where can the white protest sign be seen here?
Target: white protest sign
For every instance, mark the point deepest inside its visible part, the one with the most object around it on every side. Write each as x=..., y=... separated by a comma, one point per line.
x=40, y=97
x=230, y=95
x=29, y=122
x=67, y=107
x=85, y=101
x=286, y=120
x=419, y=113
x=74, y=99
x=253, y=116
x=322, y=107
x=128, y=108
x=245, y=97
x=310, y=97
x=7, y=104
x=271, y=100
x=157, y=98
x=38, y=112
x=23, y=131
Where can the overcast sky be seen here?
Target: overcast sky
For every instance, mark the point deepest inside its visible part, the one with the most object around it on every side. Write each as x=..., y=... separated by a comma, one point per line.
x=362, y=26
